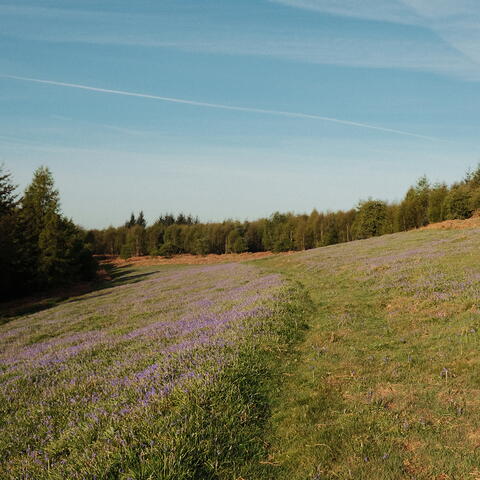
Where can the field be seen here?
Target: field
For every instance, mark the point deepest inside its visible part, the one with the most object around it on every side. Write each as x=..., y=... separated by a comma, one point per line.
x=356, y=361
x=386, y=383
x=161, y=377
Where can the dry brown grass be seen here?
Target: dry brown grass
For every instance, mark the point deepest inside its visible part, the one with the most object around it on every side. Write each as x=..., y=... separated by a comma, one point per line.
x=474, y=438
x=188, y=259
x=473, y=222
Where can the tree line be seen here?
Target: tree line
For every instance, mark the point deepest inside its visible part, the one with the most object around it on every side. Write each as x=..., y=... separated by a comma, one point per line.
x=39, y=247
x=169, y=235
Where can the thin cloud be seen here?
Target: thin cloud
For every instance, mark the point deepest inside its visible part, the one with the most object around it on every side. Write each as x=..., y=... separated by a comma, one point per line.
x=392, y=11
x=220, y=106
x=213, y=29
x=456, y=23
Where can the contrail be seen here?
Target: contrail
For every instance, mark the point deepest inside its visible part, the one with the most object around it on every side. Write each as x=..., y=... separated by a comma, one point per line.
x=220, y=106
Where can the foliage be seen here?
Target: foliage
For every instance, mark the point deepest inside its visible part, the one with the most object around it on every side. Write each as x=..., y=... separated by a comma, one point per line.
x=423, y=203
x=22, y=225
x=436, y=203
x=8, y=197
x=39, y=248
x=458, y=202
x=371, y=219
x=8, y=245
x=415, y=206
x=236, y=242
x=167, y=249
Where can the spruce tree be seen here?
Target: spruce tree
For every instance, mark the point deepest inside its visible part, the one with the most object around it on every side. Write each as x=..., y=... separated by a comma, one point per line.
x=52, y=261
x=130, y=223
x=40, y=200
x=141, y=220
x=53, y=249
x=9, y=279
x=7, y=192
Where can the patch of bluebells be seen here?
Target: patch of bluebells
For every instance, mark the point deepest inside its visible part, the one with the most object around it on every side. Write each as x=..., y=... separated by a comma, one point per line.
x=417, y=271
x=64, y=374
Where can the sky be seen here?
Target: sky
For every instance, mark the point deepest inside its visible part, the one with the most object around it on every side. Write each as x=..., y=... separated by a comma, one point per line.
x=236, y=109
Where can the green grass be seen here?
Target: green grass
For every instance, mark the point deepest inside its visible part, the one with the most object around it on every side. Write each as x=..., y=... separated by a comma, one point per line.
x=43, y=301
x=368, y=369
x=386, y=383
x=164, y=378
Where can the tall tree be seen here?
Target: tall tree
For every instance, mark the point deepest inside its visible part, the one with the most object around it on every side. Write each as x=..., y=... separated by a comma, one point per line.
x=9, y=275
x=130, y=223
x=141, y=220
x=458, y=202
x=371, y=219
x=39, y=202
x=52, y=249
x=236, y=242
x=436, y=203
x=41, y=199
x=8, y=198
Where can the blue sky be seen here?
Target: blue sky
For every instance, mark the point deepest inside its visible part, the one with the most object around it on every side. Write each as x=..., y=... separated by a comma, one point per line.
x=409, y=67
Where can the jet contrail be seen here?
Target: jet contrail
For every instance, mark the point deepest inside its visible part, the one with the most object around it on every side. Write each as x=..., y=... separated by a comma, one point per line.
x=219, y=106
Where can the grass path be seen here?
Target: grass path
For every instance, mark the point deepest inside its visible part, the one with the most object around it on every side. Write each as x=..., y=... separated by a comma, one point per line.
x=386, y=384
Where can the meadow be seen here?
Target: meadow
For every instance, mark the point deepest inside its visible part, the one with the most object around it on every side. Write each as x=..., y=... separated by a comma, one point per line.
x=386, y=383
x=160, y=377
x=354, y=361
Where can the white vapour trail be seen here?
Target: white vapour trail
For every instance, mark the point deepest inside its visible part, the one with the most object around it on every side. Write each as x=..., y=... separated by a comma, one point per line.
x=219, y=106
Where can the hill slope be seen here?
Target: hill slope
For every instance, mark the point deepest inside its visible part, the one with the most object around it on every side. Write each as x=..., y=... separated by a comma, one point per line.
x=204, y=372
x=164, y=377
x=386, y=384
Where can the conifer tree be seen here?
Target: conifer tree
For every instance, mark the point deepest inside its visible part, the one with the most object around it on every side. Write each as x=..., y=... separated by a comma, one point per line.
x=9, y=279
x=52, y=249
x=130, y=223
x=40, y=200
x=7, y=192
x=141, y=220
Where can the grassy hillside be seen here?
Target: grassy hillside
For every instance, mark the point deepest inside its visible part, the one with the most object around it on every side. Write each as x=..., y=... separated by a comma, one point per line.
x=166, y=376
x=386, y=384
x=206, y=372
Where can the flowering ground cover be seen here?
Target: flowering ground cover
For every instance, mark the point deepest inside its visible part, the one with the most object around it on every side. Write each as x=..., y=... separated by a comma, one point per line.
x=386, y=384
x=199, y=372
x=168, y=377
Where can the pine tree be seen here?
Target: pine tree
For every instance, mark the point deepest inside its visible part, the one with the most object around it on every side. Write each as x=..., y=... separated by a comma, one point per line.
x=64, y=255
x=7, y=192
x=52, y=249
x=9, y=279
x=53, y=258
x=40, y=200
x=130, y=223
x=181, y=219
x=141, y=220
